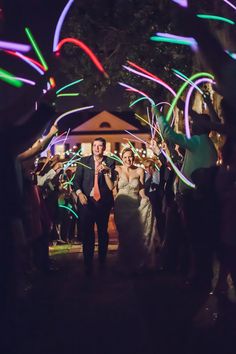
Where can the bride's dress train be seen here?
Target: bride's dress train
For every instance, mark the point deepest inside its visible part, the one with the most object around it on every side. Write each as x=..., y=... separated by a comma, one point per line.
x=136, y=225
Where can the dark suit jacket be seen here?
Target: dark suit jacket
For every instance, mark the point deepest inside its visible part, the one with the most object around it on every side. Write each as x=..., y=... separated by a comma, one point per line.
x=84, y=178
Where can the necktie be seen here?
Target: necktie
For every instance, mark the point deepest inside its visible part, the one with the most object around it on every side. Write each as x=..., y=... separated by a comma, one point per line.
x=96, y=191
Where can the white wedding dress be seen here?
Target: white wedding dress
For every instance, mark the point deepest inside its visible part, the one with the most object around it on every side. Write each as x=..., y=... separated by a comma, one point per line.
x=136, y=225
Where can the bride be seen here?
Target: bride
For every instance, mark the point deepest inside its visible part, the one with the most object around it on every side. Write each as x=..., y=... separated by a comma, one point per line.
x=134, y=218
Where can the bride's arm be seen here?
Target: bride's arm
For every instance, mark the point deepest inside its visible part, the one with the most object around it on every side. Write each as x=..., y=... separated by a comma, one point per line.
x=115, y=188
x=141, y=180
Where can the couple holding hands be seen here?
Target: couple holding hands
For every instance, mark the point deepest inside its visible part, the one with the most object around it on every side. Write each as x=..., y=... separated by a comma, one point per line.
x=95, y=180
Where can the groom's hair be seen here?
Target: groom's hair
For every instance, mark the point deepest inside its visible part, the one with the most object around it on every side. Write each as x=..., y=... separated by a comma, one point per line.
x=102, y=140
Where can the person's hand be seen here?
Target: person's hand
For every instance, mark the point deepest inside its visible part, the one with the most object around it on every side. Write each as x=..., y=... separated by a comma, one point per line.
x=82, y=198
x=103, y=168
x=154, y=147
x=53, y=130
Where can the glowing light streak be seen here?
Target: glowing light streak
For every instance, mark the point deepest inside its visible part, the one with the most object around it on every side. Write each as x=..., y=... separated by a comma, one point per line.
x=9, y=78
x=185, y=78
x=216, y=18
x=36, y=48
x=68, y=85
x=33, y=63
x=116, y=158
x=69, y=209
x=144, y=120
x=171, y=40
x=167, y=103
x=85, y=48
x=138, y=91
x=52, y=82
x=178, y=172
x=230, y=4
x=181, y=90
x=15, y=46
x=134, y=150
x=138, y=100
x=187, y=102
x=135, y=136
x=26, y=81
x=71, y=112
x=183, y=3
x=72, y=94
x=60, y=23
x=192, y=42
x=151, y=78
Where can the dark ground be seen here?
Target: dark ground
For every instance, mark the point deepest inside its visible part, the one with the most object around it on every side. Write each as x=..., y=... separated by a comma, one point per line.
x=67, y=312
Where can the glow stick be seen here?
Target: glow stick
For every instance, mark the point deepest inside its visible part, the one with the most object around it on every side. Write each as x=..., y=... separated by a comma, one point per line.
x=181, y=90
x=26, y=81
x=150, y=78
x=70, y=112
x=68, y=85
x=185, y=78
x=9, y=78
x=230, y=4
x=158, y=104
x=232, y=55
x=192, y=42
x=72, y=159
x=136, y=101
x=71, y=210
x=68, y=94
x=148, y=117
x=171, y=40
x=183, y=3
x=85, y=48
x=115, y=157
x=33, y=63
x=15, y=46
x=144, y=120
x=143, y=141
x=187, y=102
x=60, y=23
x=216, y=18
x=66, y=136
x=36, y=48
x=178, y=172
x=134, y=150
x=135, y=90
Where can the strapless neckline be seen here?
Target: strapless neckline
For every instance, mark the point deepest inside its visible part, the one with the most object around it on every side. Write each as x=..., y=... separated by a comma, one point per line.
x=127, y=179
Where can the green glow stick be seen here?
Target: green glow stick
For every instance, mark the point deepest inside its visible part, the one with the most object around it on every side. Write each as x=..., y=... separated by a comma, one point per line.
x=36, y=48
x=170, y=40
x=9, y=78
x=68, y=94
x=66, y=207
x=181, y=90
x=216, y=18
x=186, y=78
x=68, y=85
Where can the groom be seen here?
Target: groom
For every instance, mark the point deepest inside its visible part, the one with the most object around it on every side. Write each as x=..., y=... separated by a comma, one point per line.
x=93, y=184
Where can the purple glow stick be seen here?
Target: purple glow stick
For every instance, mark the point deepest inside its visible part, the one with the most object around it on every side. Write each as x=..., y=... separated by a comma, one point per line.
x=230, y=4
x=183, y=3
x=187, y=101
x=135, y=90
x=150, y=78
x=26, y=81
x=143, y=141
x=60, y=23
x=191, y=40
x=25, y=59
x=15, y=46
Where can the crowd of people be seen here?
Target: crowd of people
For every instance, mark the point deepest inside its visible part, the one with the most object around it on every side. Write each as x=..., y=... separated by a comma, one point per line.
x=163, y=222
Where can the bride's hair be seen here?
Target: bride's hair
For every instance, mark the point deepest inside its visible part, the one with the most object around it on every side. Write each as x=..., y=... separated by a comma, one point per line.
x=125, y=150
